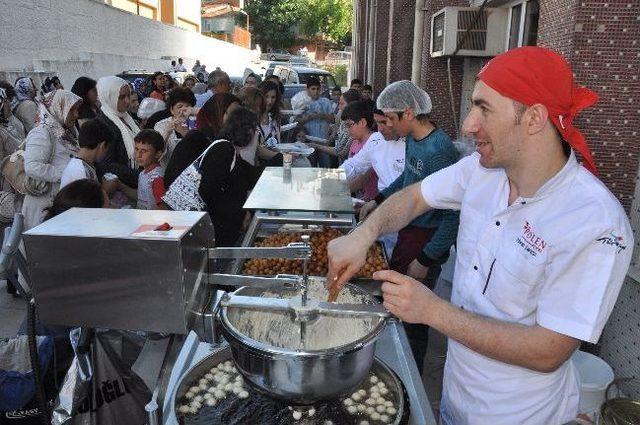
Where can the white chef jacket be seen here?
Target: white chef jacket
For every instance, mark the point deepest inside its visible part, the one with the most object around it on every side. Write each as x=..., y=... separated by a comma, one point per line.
x=386, y=157
x=557, y=259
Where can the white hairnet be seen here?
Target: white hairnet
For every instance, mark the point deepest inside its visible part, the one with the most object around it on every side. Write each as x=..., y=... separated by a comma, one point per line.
x=404, y=94
x=149, y=106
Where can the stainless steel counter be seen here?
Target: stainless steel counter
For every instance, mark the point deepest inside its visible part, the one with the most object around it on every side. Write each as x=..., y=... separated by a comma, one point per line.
x=301, y=189
x=392, y=348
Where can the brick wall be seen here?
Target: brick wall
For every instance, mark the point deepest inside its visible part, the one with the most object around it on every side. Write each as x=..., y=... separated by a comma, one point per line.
x=400, y=47
x=380, y=46
x=434, y=75
x=600, y=38
x=361, y=46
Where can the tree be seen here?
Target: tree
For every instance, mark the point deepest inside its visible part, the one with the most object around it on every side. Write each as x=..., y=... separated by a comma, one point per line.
x=273, y=21
x=328, y=18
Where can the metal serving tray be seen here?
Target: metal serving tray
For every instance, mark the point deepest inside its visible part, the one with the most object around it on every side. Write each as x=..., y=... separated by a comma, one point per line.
x=301, y=189
x=264, y=225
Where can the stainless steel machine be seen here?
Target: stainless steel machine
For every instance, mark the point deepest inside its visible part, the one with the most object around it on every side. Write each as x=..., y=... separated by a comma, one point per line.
x=159, y=271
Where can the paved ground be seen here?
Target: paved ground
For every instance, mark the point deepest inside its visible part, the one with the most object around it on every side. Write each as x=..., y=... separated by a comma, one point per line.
x=12, y=311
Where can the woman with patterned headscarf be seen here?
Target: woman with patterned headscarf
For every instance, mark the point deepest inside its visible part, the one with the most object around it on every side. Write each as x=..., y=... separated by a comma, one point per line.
x=27, y=109
x=48, y=149
x=7, y=119
x=9, y=140
x=140, y=88
x=115, y=96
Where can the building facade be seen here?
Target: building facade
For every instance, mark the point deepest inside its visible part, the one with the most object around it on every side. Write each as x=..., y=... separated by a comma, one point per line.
x=226, y=20
x=601, y=40
x=392, y=41
x=92, y=38
x=181, y=13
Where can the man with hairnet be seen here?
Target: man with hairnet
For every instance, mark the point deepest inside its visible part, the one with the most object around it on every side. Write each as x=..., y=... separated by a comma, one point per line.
x=542, y=251
x=423, y=245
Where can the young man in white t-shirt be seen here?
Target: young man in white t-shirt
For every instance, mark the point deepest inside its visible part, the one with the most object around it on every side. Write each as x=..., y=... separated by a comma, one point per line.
x=93, y=139
x=385, y=157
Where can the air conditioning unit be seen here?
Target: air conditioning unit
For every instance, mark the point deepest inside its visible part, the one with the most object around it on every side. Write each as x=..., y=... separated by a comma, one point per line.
x=479, y=33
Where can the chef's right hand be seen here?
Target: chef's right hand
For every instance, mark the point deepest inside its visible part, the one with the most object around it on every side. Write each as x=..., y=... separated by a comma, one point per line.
x=367, y=209
x=346, y=255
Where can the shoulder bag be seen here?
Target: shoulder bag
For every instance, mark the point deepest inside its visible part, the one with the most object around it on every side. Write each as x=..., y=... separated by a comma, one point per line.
x=184, y=192
x=12, y=170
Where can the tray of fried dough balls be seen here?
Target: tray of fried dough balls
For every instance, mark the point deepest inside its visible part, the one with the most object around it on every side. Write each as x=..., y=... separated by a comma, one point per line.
x=318, y=266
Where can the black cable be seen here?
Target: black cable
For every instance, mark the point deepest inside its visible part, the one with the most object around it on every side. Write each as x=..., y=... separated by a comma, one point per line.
x=14, y=254
x=35, y=362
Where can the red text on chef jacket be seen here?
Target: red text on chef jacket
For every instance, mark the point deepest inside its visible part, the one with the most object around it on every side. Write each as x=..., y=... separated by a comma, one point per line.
x=529, y=241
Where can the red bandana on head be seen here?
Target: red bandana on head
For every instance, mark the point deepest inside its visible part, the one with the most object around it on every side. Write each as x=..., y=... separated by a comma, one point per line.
x=531, y=75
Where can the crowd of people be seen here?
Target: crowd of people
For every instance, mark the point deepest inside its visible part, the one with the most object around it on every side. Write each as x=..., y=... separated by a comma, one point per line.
x=136, y=138
x=114, y=144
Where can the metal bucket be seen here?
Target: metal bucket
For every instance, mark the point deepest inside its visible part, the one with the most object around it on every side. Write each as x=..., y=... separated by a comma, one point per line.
x=620, y=410
x=301, y=377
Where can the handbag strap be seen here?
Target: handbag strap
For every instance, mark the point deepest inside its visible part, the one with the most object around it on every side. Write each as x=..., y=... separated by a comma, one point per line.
x=53, y=140
x=202, y=155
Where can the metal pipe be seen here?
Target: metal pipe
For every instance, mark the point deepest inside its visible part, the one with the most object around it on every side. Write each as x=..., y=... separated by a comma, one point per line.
x=282, y=281
x=371, y=41
x=418, y=29
x=293, y=251
x=305, y=288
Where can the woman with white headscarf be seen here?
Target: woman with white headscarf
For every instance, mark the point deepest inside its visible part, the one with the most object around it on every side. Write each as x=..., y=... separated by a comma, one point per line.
x=114, y=95
x=26, y=109
x=48, y=149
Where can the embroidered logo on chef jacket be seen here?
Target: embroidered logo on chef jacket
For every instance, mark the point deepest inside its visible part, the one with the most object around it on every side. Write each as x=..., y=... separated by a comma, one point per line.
x=529, y=241
x=614, y=240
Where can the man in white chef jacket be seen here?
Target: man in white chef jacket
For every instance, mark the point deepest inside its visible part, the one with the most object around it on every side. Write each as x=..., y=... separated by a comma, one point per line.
x=543, y=248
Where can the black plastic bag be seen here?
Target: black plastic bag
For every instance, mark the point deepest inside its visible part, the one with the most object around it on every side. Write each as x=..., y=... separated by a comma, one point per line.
x=100, y=388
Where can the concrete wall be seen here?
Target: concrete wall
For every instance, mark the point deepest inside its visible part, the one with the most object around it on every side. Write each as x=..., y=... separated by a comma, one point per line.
x=87, y=37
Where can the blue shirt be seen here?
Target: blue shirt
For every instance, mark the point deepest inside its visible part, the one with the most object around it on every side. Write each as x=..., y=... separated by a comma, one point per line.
x=422, y=158
x=318, y=128
x=201, y=99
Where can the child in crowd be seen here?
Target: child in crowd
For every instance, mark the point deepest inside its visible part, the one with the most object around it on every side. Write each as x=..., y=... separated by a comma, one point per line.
x=94, y=138
x=317, y=117
x=358, y=118
x=82, y=193
x=149, y=148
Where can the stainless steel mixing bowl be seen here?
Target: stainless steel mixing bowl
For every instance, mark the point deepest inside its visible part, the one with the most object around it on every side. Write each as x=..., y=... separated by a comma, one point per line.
x=301, y=376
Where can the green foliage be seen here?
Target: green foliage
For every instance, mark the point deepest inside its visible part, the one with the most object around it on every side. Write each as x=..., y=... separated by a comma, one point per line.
x=331, y=18
x=339, y=72
x=274, y=22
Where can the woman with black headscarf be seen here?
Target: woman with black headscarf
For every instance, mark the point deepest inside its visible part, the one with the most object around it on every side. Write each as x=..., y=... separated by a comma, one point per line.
x=226, y=177
x=209, y=120
x=85, y=87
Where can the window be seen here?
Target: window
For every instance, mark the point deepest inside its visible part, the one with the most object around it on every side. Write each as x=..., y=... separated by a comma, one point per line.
x=523, y=24
x=514, y=27
x=530, y=36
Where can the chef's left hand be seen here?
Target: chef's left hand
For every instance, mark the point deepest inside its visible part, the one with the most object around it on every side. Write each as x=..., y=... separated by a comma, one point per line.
x=417, y=270
x=405, y=297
